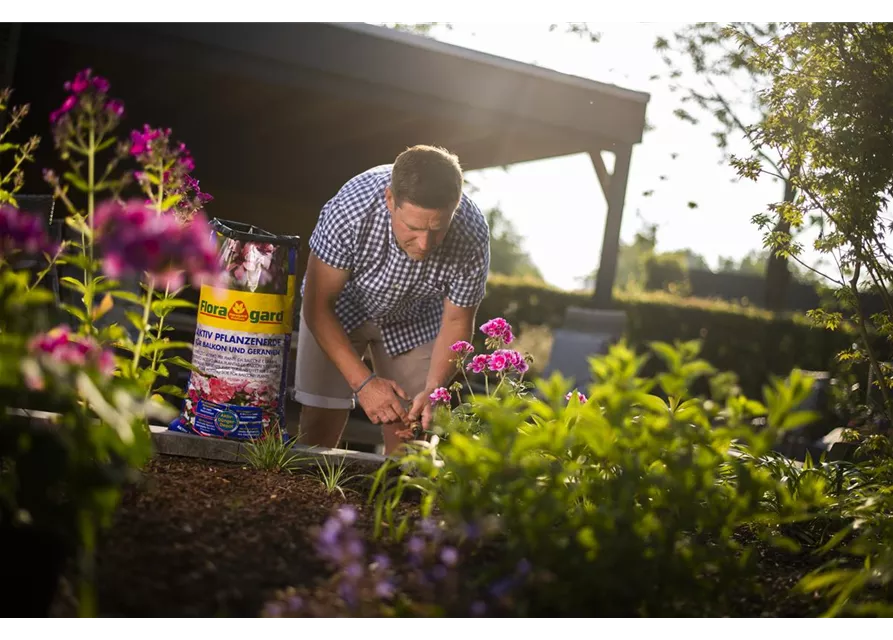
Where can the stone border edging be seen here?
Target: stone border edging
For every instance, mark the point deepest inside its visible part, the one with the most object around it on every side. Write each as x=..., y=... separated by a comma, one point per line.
x=172, y=443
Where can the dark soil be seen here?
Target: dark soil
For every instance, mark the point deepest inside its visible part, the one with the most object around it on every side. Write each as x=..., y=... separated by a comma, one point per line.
x=207, y=539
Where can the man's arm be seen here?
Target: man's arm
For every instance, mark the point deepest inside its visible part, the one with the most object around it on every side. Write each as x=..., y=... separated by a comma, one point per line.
x=323, y=286
x=458, y=324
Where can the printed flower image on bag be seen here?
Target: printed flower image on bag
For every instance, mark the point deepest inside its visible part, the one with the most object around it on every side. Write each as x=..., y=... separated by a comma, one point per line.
x=242, y=337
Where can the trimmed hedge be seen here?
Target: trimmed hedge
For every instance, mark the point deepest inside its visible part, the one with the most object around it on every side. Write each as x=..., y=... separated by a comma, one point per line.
x=752, y=342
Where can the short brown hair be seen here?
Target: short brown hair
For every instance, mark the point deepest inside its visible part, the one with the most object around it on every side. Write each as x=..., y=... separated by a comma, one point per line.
x=428, y=177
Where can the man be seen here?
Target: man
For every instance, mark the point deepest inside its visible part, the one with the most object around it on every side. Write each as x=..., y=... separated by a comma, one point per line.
x=398, y=265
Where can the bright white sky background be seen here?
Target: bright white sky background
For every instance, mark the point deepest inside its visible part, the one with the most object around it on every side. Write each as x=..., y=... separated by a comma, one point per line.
x=557, y=204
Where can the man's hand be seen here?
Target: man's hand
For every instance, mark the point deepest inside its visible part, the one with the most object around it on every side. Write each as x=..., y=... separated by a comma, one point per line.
x=421, y=410
x=381, y=400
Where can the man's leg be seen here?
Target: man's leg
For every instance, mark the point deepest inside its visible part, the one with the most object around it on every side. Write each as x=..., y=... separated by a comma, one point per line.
x=323, y=392
x=410, y=371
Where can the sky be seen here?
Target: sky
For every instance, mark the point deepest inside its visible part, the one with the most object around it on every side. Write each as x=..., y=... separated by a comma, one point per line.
x=557, y=204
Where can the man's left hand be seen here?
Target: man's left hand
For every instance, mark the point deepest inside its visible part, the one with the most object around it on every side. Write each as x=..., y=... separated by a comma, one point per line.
x=420, y=410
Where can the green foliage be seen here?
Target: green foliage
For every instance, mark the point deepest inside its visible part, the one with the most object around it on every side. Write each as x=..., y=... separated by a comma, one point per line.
x=667, y=272
x=507, y=254
x=272, y=453
x=827, y=117
x=642, y=492
x=333, y=476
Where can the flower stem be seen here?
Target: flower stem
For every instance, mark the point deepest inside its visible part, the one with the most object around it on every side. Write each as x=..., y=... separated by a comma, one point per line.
x=139, y=344
x=89, y=284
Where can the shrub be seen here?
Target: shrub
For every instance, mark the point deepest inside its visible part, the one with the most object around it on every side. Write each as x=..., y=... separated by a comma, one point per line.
x=622, y=503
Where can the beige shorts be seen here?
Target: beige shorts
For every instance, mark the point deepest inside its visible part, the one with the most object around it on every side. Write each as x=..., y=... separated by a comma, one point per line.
x=318, y=383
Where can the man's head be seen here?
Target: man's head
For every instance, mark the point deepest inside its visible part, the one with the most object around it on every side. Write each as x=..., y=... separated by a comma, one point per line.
x=426, y=186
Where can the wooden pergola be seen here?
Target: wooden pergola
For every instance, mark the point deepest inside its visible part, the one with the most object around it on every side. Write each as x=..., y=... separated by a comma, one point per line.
x=279, y=116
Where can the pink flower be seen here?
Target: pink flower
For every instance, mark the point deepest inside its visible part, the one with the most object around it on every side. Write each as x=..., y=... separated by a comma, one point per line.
x=115, y=107
x=463, y=348
x=498, y=328
x=440, y=396
x=22, y=232
x=514, y=359
x=62, y=346
x=498, y=361
x=134, y=239
x=478, y=363
x=580, y=397
x=67, y=106
x=141, y=141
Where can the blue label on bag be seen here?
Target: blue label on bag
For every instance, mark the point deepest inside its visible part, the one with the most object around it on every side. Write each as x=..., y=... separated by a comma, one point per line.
x=222, y=420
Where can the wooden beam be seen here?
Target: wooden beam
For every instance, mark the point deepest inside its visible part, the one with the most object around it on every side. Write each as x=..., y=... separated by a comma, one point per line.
x=616, y=195
x=604, y=178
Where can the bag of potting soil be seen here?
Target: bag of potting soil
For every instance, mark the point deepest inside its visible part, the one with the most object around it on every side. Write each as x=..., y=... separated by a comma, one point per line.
x=242, y=337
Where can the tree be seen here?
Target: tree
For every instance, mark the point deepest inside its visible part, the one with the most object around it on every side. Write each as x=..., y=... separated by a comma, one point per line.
x=721, y=60
x=507, y=255
x=828, y=119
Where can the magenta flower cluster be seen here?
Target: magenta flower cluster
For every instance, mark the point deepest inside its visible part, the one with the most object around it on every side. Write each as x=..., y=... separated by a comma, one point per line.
x=498, y=329
x=21, y=232
x=135, y=240
x=63, y=347
x=85, y=83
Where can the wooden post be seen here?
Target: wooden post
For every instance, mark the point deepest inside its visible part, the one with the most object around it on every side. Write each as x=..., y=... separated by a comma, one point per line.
x=615, y=194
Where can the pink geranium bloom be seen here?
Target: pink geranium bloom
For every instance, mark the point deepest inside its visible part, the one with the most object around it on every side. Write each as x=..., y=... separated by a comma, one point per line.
x=478, y=363
x=440, y=396
x=463, y=348
x=498, y=329
x=498, y=361
x=580, y=397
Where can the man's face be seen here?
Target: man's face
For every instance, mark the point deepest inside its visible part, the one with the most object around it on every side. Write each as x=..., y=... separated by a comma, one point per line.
x=418, y=231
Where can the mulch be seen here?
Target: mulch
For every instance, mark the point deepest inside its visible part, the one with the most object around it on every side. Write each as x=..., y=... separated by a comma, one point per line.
x=207, y=539
x=201, y=538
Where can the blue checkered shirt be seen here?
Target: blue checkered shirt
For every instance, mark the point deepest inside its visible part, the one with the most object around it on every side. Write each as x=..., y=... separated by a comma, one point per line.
x=402, y=296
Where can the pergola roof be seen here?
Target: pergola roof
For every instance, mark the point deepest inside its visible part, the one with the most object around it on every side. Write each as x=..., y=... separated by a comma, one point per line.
x=280, y=107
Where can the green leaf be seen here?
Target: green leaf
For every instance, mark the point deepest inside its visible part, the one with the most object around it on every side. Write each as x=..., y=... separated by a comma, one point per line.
x=73, y=283
x=164, y=307
x=105, y=144
x=136, y=320
x=180, y=362
x=129, y=296
x=172, y=390
x=76, y=181
x=164, y=345
x=78, y=313
x=6, y=146
x=170, y=201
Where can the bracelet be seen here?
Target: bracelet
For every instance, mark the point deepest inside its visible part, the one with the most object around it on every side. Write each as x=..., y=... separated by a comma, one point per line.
x=365, y=382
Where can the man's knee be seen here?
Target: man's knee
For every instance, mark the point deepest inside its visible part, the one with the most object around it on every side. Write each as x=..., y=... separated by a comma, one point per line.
x=322, y=427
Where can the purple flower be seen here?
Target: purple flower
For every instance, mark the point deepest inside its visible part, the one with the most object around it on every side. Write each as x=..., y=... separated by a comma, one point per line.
x=273, y=610
x=22, y=232
x=62, y=346
x=347, y=515
x=67, y=106
x=439, y=572
x=449, y=556
x=381, y=562
x=384, y=589
x=136, y=240
x=354, y=571
x=416, y=546
x=294, y=603
x=115, y=107
x=141, y=141
x=355, y=548
x=440, y=396
x=428, y=527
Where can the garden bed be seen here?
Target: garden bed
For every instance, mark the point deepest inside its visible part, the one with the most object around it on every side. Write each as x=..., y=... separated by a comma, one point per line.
x=204, y=538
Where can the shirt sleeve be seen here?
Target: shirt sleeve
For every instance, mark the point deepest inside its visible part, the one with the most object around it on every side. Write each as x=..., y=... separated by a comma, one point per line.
x=468, y=287
x=334, y=239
